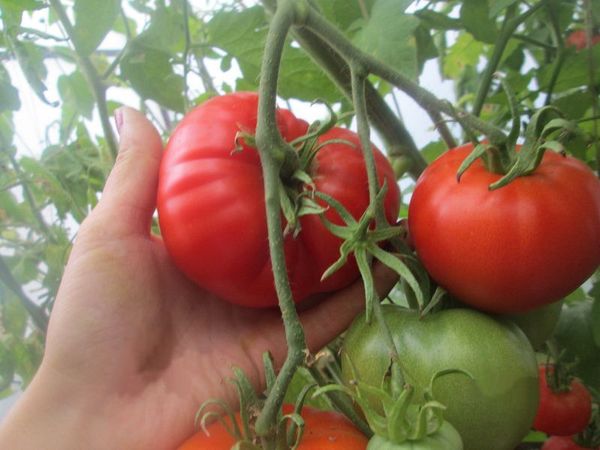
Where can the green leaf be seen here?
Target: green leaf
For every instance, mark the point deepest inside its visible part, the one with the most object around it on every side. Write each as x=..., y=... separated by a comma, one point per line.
x=9, y=95
x=389, y=36
x=299, y=77
x=438, y=21
x=574, y=104
x=575, y=72
x=76, y=95
x=150, y=73
x=465, y=52
x=595, y=315
x=344, y=14
x=475, y=16
x=19, y=6
x=166, y=31
x=496, y=6
x=93, y=20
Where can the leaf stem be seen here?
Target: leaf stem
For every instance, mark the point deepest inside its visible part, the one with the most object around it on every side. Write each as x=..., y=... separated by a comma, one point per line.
x=272, y=150
x=92, y=76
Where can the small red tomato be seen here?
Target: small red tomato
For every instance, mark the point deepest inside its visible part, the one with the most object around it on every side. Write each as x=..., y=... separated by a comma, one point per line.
x=578, y=39
x=562, y=413
x=563, y=443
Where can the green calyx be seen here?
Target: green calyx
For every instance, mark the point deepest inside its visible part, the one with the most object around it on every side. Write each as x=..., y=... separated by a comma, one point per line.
x=547, y=130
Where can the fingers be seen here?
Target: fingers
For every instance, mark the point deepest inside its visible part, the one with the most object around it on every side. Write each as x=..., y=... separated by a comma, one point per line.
x=333, y=315
x=129, y=197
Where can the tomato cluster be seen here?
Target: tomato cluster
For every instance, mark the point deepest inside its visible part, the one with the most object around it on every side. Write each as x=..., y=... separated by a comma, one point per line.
x=514, y=252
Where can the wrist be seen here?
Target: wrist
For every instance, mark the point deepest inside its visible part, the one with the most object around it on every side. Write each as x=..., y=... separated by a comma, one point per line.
x=50, y=415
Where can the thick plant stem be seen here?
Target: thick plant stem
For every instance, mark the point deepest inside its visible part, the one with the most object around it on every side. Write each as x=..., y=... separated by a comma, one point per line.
x=272, y=150
x=421, y=96
x=510, y=25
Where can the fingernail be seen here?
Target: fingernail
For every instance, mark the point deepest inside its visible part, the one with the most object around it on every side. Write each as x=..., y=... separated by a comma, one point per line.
x=119, y=118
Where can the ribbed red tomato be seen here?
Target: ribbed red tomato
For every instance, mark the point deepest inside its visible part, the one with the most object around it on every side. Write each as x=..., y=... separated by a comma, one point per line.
x=211, y=203
x=512, y=249
x=323, y=430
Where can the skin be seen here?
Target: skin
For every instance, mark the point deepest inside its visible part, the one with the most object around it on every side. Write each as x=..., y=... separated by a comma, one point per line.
x=133, y=348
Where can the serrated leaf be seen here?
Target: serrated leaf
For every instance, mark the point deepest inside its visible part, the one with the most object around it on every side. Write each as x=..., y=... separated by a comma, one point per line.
x=150, y=73
x=93, y=20
x=389, y=36
x=475, y=16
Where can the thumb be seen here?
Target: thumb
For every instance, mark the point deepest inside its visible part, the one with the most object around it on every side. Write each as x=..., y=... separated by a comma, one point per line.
x=129, y=196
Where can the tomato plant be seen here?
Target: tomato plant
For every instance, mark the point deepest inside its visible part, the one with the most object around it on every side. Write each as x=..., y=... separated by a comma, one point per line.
x=563, y=410
x=323, y=430
x=211, y=203
x=445, y=438
x=563, y=443
x=497, y=406
x=512, y=249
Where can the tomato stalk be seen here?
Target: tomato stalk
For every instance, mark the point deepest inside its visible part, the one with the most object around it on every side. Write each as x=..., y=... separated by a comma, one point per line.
x=273, y=151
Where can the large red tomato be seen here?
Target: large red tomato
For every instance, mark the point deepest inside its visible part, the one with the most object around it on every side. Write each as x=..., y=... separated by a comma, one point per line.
x=509, y=250
x=323, y=430
x=212, y=210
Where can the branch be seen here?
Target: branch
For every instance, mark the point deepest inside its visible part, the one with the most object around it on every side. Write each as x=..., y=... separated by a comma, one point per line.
x=421, y=96
x=91, y=75
x=37, y=314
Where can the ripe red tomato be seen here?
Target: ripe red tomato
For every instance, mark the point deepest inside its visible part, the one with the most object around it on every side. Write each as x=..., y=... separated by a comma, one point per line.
x=323, y=430
x=563, y=443
x=211, y=204
x=510, y=250
x=562, y=413
x=578, y=39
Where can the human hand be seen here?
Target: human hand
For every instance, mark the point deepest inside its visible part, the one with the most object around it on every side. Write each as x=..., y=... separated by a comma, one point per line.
x=133, y=347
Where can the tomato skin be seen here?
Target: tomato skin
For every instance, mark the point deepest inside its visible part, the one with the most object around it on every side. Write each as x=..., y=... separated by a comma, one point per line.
x=513, y=249
x=211, y=204
x=496, y=408
x=563, y=443
x=323, y=430
x=562, y=413
x=446, y=438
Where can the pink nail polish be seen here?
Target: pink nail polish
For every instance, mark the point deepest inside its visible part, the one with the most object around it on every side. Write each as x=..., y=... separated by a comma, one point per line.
x=118, y=114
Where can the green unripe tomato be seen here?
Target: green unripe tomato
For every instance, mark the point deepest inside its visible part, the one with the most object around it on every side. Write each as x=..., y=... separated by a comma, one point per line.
x=495, y=409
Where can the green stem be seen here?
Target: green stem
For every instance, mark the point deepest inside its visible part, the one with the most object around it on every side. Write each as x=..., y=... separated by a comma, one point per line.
x=37, y=314
x=421, y=96
x=186, y=52
x=272, y=150
x=508, y=28
x=560, y=57
x=92, y=76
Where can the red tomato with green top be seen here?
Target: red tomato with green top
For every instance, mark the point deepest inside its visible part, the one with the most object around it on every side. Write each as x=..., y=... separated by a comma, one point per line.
x=562, y=413
x=323, y=430
x=512, y=249
x=211, y=204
